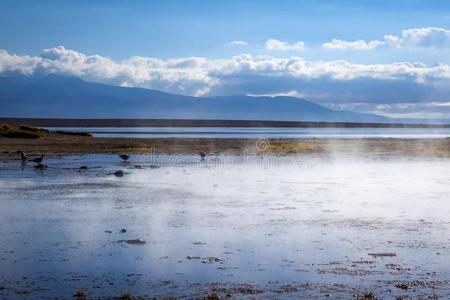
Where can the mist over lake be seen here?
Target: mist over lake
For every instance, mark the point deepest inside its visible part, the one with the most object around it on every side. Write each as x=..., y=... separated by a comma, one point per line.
x=263, y=221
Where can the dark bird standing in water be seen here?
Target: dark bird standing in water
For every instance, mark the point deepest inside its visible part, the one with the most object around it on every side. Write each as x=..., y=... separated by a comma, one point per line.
x=38, y=159
x=125, y=157
x=23, y=156
x=202, y=155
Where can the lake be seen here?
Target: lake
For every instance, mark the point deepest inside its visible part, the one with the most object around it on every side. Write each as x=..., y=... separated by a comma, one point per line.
x=246, y=132
x=264, y=226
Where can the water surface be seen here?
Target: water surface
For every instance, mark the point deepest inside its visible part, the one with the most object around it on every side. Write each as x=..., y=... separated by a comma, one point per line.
x=283, y=226
x=245, y=132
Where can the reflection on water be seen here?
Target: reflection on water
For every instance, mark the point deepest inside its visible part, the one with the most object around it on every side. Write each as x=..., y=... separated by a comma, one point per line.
x=311, y=221
x=245, y=132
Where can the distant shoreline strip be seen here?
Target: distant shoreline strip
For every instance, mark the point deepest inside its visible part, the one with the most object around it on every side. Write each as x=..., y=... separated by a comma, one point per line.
x=58, y=122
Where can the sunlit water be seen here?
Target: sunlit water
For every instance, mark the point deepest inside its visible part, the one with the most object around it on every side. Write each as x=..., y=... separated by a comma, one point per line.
x=308, y=221
x=245, y=132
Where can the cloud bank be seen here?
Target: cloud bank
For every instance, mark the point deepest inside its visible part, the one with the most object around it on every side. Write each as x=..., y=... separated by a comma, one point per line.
x=335, y=82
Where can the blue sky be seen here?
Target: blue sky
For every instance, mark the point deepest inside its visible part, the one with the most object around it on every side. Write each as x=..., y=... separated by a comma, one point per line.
x=120, y=29
x=339, y=44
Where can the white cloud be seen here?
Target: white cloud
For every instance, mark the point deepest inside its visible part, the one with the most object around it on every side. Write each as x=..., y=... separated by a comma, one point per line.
x=429, y=37
x=12, y=63
x=276, y=45
x=429, y=110
x=335, y=81
x=354, y=45
x=238, y=43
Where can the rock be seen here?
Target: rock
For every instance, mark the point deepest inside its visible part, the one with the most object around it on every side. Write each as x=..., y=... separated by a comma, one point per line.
x=83, y=168
x=137, y=166
x=401, y=286
x=40, y=167
x=80, y=295
x=133, y=242
x=125, y=157
x=210, y=260
x=108, y=231
x=383, y=254
x=136, y=242
x=119, y=173
x=192, y=257
x=123, y=230
x=199, y=243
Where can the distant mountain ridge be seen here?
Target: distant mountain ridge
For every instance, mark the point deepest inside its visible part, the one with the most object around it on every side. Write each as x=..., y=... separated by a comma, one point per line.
x=56, y=96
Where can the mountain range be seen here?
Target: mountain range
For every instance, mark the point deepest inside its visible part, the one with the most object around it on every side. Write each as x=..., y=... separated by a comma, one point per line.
x=57, y=96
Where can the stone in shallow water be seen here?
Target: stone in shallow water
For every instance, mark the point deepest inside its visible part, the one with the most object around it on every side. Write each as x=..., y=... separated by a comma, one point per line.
x=133, y=242
x=383, y=254
x=119, y=173
x=40, y=167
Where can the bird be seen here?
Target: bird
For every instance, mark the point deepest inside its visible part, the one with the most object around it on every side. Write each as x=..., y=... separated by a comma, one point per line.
x=39, y=159
x=202, y=155
x=40, y=167
x=125, y=157
x=23, y=156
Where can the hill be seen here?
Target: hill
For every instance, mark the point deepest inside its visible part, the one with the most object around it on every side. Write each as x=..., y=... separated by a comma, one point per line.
x=56, y=96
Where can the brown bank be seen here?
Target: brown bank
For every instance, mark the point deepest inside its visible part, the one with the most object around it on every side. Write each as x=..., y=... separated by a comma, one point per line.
x=35, y=140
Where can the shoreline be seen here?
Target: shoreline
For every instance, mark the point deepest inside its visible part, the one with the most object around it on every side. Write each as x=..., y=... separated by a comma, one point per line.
x=55, y=144
x=114, y=122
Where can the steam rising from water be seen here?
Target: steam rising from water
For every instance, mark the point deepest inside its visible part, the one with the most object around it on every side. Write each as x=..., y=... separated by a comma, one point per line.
x=264, y=222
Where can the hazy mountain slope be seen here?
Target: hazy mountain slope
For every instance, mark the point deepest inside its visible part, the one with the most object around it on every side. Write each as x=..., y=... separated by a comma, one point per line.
x=55, y=96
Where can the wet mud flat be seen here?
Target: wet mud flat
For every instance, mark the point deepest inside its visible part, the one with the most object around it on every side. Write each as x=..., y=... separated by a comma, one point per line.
x=57, y=144
x=260, y=226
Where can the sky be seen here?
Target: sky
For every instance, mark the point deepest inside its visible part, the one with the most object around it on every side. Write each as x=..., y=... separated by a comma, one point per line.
x=385, y=57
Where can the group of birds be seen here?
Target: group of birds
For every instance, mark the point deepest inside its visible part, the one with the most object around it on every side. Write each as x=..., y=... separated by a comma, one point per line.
x=40, y=166
x=38, y=160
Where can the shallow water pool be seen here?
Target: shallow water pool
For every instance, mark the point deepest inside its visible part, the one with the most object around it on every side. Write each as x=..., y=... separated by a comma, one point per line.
x=276, y=227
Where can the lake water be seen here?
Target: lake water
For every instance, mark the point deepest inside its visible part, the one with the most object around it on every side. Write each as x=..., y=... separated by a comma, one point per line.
x=296, y=226
x=245, y=132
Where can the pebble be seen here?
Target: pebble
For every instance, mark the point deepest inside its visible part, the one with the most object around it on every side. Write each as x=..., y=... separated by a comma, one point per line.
x=133, y=242
x=119, y=173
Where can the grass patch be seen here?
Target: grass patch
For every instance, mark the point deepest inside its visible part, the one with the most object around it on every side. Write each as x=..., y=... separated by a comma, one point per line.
x=77, y=133
x=32, y=129
x=4, y=127
x=22, y=132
